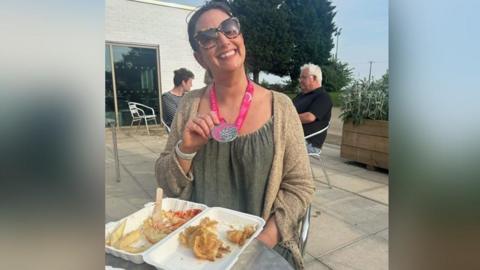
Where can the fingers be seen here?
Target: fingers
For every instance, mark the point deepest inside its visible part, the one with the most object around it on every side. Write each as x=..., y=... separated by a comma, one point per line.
x=196, y=127
x=214, y=118
x=201, y=127
x=197, y=130
x=207, y=121
x=203, y=124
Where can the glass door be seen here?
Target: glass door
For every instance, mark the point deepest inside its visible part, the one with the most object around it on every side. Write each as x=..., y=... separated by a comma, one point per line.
x=135, y=79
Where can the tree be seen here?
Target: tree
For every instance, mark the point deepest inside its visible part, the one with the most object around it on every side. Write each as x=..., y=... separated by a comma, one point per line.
x=336, y=75
x=282, y=35
x=312, y=27
x=268, y=40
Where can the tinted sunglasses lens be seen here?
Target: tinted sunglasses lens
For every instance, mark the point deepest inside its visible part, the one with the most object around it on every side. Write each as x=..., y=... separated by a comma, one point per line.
x=207, y=38
x=231, y=28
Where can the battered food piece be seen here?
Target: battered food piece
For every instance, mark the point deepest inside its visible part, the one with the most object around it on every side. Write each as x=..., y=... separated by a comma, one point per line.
x=204, y=241
x=239, y=236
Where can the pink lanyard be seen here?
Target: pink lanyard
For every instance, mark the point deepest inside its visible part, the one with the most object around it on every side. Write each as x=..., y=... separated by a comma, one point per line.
x=247, y=99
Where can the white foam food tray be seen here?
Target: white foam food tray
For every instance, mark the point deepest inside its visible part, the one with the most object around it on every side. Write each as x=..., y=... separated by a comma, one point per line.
x=172, y=255
x=135, y=220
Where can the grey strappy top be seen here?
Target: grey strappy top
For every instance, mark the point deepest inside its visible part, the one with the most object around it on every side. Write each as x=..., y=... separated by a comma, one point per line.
x=234, y=175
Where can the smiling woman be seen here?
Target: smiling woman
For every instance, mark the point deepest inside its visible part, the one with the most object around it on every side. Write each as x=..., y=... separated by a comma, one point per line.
x=223, y=151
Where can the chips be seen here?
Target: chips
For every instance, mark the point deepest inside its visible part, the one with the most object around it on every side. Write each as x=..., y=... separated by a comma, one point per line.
x=113, y=238
x=129, y=239
x=149, y=232
x=204, y=241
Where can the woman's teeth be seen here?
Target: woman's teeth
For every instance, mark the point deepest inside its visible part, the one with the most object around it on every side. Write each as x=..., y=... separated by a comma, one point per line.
x=227, y=54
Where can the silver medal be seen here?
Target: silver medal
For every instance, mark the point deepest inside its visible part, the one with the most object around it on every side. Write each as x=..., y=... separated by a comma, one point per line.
x=224, y=132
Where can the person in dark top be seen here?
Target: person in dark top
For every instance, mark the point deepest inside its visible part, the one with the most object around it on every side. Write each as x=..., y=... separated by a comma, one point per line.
x=182, y=80
x=313, y=105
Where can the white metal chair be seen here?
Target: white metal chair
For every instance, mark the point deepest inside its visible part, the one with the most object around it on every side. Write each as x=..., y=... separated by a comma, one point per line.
x=304, y=227
x=316, y=154
x=167, y=128
x=137, y=110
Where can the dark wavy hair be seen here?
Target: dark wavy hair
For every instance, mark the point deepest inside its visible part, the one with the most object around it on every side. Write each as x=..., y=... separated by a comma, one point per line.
x=181, y=75
x=221, y=5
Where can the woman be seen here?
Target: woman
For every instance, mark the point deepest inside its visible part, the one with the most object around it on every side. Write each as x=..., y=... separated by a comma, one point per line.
x=236, y=144
x=182, y=81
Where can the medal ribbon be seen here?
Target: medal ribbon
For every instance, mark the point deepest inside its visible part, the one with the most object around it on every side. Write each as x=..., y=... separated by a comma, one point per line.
x=247, y=99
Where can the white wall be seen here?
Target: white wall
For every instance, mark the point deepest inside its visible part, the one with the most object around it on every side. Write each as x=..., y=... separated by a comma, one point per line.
x=136, y=22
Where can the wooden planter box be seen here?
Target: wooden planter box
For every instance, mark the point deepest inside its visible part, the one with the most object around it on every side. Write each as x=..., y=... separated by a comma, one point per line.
x=366, y=143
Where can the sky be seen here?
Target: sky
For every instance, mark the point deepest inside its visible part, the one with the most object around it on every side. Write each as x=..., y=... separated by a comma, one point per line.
x=364, y=35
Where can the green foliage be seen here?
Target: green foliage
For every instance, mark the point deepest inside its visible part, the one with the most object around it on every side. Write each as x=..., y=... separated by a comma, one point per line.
x=365, y=100
x=282, y=35
x=266, y=33
x=336, y=98
x=273, y=86
x=312, y=28
x=287, y=89
x=336, y=75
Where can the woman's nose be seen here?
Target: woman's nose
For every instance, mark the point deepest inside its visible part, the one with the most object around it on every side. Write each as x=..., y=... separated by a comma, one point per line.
x=222, y=40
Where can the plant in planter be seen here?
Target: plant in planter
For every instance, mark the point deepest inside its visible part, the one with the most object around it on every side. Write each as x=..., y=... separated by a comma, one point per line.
x=365, y=122
x=365, y=100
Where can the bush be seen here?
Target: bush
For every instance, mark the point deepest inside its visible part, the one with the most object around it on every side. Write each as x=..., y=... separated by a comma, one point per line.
x=290, y=89
x=273, y=86
x=336, y=98
x=365, y=100
x=336, y=75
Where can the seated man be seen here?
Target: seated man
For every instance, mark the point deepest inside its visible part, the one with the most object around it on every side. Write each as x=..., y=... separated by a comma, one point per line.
x=314, y=105
x=182, y=81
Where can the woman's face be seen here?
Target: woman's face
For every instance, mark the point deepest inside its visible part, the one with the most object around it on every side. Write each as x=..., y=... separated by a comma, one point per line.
x=228, y=54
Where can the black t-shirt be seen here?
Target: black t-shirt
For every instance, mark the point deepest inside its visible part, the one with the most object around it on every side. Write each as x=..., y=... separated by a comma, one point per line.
x=318, y=103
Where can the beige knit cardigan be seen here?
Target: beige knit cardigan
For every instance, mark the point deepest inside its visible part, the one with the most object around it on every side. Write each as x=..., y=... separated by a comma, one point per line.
x=290, y=186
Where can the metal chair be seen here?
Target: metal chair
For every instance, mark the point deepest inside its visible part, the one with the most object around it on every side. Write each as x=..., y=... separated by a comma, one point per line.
x=304, y=226
x=316, y=155
x=167, y=128
x=137, y=110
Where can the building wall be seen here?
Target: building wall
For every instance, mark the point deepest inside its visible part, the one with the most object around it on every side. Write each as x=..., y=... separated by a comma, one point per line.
x=129, y=21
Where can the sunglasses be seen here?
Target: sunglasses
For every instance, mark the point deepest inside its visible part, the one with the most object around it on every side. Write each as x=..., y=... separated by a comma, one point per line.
x=230, y=28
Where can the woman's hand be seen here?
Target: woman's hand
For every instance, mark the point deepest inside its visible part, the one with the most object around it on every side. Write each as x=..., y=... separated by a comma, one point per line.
x=197, y=132
x=270, y=235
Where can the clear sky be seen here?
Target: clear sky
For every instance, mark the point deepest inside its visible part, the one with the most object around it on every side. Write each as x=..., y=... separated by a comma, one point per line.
x=364, y=35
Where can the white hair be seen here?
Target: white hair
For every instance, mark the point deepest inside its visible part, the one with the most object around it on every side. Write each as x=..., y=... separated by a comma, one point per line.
x=313, y=70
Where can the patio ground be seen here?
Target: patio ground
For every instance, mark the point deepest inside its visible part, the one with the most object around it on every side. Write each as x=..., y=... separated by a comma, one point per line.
x=349, y=226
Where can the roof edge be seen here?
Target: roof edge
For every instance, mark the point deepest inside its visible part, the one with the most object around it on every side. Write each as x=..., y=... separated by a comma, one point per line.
x=166, y=4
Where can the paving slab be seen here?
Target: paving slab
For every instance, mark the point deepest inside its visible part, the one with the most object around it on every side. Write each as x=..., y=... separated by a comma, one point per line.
x=367, y=254
x=327, y=233
x=316, y=265
x=366, y=215
x=351, y=183
x=375, y=176
x=324, y=195
x=123, y=189
x=133, y=151
x=308, y=258
x=145, y=176
x=139, y=158
x=379, y=194
x=337, y=165
x=118, y=208
x=383, y=234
